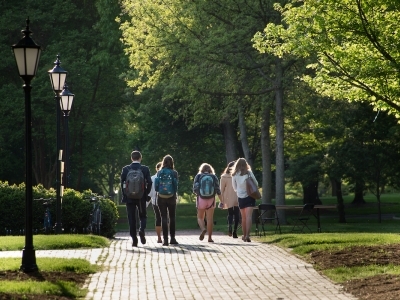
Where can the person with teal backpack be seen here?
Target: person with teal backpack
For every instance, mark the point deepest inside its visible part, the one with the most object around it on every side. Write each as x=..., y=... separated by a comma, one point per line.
x=206, y=186
x=166, y=186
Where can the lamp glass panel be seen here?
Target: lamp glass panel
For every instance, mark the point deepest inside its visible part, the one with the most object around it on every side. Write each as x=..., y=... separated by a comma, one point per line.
x=64, y=103
x=58, y=80
x=32, y=59
x=19, y=54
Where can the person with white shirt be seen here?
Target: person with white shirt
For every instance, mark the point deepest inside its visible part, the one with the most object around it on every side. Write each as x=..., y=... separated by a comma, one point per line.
x=241, y=171
x=154, y=203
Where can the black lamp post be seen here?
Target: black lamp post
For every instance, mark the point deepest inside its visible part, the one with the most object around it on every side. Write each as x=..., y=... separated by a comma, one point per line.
x=27, y=55
x=57, y=79
x=66, y=104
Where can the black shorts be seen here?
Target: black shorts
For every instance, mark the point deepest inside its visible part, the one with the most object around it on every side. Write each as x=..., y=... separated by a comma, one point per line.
x=246, y=202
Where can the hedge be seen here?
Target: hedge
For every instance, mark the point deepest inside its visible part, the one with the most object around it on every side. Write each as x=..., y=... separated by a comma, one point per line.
x=75, y=215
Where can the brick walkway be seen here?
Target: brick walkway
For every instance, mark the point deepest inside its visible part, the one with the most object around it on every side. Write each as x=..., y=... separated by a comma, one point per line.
x=226, y=269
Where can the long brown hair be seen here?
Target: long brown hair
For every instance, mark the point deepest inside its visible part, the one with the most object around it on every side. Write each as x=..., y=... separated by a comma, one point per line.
x=228, y=169
x=168, y=162
x=241, y=167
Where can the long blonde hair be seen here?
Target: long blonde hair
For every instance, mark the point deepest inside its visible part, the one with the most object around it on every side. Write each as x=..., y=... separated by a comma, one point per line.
x=204, y=167
x=241, y=167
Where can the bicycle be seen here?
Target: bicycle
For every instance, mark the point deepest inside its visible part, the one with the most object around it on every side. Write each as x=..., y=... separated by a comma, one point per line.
x=94, y=226
x=47, y=227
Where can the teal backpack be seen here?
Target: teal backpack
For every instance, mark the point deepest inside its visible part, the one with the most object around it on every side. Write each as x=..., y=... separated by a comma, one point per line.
x=165, y=183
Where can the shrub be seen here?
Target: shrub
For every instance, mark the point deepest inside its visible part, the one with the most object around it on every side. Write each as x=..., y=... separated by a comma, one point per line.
x=75, y=214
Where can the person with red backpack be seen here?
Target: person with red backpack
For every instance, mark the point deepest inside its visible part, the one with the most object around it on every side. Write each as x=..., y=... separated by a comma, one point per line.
x=136, y=185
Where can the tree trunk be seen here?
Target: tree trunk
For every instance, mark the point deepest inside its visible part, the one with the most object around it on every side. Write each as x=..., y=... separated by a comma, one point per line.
x=230, y=141
x=334, y=187
x=310, y=193
x=280, y=160
x=266, y=156
x=359, y=193
x=340, y=201
x=243, y=135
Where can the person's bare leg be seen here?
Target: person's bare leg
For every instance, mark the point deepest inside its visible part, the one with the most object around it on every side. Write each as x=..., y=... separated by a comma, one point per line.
x=158, y=231
x=249, y=213
x=243, y=213
x=210, y=223
x=200, y=221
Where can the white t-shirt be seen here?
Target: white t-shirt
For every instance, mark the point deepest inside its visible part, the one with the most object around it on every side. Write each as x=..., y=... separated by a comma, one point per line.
x=239, y=184
x=152, y=193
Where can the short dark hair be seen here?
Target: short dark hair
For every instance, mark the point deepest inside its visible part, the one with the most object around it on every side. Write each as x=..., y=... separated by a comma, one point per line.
x=136, y=155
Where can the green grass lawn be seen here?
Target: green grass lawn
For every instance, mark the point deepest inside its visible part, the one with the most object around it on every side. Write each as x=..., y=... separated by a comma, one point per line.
x=53, y=242
x=52, y=267
x=58, y=271
x=362, y=228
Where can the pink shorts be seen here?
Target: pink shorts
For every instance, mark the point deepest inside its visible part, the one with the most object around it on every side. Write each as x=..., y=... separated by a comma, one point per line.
x=205, y=203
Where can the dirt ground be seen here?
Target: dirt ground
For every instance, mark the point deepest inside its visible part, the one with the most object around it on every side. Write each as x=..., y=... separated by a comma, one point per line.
x=382, y=287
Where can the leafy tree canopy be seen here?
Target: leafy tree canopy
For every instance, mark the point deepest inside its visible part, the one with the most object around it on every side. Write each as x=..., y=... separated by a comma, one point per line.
x=355, y=43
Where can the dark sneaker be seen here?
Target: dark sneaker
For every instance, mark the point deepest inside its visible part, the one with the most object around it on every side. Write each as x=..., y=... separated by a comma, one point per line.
x=165, y=243
x=173, y=241
x=134, y=242
x=235, y=236
x=142, y=237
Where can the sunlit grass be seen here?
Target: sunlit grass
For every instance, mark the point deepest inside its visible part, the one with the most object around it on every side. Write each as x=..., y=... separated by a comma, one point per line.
x=343, y=274
x=46, y=288
x=303, y=244
x=54, y=242
x=76, y=265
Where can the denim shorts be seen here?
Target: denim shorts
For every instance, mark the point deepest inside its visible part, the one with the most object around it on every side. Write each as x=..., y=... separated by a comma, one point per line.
x=246, y=202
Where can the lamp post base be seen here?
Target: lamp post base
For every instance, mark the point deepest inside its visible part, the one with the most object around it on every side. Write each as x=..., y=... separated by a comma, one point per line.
x=28, y=261
x=58, y=228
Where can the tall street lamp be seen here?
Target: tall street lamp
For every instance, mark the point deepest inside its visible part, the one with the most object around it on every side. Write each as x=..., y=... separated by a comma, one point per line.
x=66, y=104
x=57, y=79
x=27, y=54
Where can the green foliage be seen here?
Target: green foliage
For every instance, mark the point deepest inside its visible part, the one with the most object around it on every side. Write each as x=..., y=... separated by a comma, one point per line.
x=110, y=217
x=353, y=48
x=75, y=210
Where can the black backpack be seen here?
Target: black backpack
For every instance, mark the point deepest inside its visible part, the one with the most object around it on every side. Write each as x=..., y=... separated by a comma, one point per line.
x=134, y=184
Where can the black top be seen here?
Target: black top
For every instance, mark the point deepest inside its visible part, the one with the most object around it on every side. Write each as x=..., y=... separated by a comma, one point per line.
x=147, y=179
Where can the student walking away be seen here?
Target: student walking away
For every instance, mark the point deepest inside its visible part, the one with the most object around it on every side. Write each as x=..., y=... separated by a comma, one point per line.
x=241, y=170
x=153, y=196
x=136, y=185
x=166, y=186
x=229, y=200
x=205, y=186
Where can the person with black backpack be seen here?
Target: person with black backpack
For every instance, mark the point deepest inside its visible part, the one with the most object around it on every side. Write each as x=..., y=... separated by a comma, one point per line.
x=136, y=185
x=166, y=186
x=206, y=186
